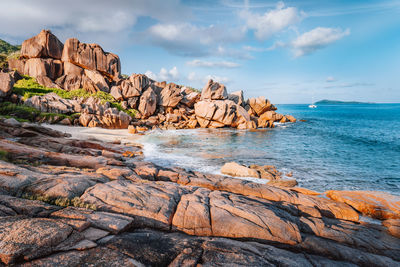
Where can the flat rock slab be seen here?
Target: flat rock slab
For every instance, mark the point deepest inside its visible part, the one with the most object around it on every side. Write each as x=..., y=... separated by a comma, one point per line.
x=28, y=238
x=154, y=248
x=31, y=208
x=47, y=180
x=111, y=222
x=152, y=204
x=94, y=234
x=378, y=205
x=83, y=218
x=92, y=257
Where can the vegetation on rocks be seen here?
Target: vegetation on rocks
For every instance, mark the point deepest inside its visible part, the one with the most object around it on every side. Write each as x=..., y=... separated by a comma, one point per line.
x=24, y=113
x=60, y=201
x=4, y=155
x=7, y=51
x=28, y=87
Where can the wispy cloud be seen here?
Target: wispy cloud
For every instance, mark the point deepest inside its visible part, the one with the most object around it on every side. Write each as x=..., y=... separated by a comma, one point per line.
x=348, y=85
x=273, y=21
x=187, y=39
x=213, y=64
x=315, y=39
x=330, y=79
x=194, y=77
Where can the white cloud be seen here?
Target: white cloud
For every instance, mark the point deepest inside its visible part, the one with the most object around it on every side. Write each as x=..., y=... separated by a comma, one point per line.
x=164, y=74
x=211, y=64
x=90, y=20
x=193, y=77
x=215, y=78
x=187, y=39
x=273, y=21
x=330, y=79
x=315, y=39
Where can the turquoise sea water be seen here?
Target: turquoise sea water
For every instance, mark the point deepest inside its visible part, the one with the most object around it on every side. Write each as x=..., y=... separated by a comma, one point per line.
x=354, y=147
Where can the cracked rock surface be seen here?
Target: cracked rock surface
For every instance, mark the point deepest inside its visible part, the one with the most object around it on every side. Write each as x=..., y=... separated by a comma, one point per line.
x=120, y=211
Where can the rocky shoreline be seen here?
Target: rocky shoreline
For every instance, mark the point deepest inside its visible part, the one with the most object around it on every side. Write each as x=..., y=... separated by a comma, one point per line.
x=69, y=202
x=74, y=202
x=81, y=84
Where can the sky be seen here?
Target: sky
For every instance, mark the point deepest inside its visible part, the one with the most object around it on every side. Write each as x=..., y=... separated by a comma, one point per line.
x=287, y=51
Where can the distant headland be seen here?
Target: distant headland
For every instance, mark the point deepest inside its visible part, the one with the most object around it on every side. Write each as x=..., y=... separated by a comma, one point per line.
x=338, y=102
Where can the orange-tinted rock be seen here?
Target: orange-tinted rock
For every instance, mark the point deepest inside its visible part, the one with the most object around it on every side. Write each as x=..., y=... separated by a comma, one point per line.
x=237, y=97
x=17, y=64
x=235, y=169
x=148, y=103
x=305, y=191
x=98, y=80
x=290, y=118
x=170, y=95
x=36, y=67
x=92, y=57
x=6, y=84
x=134, y=86
x=43, y=45
x=214, y=91
x=393, y=226
x=379, y=205
x=260, y=105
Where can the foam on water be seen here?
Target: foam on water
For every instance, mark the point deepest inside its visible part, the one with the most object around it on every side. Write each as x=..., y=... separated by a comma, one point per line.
x=345, y=147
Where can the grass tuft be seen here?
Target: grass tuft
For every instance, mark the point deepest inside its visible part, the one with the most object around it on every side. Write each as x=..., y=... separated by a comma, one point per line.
x=60, y=201
x=28, y=87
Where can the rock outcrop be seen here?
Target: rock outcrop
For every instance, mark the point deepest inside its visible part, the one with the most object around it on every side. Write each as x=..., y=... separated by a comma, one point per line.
x=43, y=45
x=76, y=65
x=6, y=84
x=92, y=57
x=214, y=91
x=141, y=213
x=378, y=205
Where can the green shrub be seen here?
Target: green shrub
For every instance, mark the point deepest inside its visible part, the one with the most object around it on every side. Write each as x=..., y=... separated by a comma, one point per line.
x=60, y=201
x=4, y=155
x=24, y=113
x=28, y=87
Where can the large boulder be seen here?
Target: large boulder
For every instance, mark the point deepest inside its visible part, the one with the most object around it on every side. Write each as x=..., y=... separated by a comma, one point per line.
x=237, y=97
x=190, y=97
x=170, y=96
x=235, y=169
x=225, y=112
x=70, y=82
x=148, y=103
x=134, y=86
x=243, y=120
x=98, y=80
x=52, y=103
x=43, y=45
x=214, y=91
x=215, y=114
x=72, y=69
x=266, y=119
x=6, y=84
x=17, y=64
x=260, y=105
x=36, y=67
x=92, y=57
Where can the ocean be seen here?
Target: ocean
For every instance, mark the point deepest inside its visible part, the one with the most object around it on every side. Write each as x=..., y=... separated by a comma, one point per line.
x=341, y=147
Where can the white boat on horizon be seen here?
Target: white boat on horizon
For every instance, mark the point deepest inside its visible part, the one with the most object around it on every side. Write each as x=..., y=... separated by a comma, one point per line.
x=312, y=106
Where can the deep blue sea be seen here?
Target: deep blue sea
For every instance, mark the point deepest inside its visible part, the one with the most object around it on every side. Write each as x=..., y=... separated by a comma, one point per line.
x=345, y=147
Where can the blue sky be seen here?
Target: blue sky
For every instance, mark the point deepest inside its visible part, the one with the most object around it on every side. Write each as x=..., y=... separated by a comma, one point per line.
x=288, y=51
